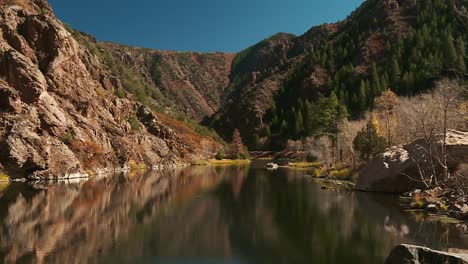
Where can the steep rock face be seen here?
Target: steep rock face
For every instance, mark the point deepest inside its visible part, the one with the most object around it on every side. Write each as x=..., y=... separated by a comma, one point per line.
x=58, y=112
x=194, y=82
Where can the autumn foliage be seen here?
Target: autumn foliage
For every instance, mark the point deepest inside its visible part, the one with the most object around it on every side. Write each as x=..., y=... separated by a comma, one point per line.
x=189, y=136
x=237, y=148
x=88, y=152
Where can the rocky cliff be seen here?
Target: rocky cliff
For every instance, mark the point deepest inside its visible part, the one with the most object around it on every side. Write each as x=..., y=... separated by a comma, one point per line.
x=59, y=115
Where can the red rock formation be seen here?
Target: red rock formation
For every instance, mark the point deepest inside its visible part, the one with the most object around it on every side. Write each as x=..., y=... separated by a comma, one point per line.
x=54, y=92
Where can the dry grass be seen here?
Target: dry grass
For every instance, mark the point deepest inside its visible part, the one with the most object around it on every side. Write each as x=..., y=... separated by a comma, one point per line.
x=341, y=174
x=229, y=162
x=200, y=163
x=305, y=164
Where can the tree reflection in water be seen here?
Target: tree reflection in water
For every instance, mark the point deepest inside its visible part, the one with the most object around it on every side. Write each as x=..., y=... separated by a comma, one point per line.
x=206, y=214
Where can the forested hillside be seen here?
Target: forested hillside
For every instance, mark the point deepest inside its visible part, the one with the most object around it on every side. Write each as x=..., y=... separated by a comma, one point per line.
x=402, y=45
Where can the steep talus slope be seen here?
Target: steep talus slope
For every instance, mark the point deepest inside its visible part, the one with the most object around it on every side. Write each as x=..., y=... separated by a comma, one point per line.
x=193, y=82
x=58, y=112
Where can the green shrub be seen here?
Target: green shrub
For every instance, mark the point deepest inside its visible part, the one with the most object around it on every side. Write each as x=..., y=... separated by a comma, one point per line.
x=68, y=137
x=120, y=93
x=311, y=158
x=246, y=154
x=219, y=155
x=134, y=123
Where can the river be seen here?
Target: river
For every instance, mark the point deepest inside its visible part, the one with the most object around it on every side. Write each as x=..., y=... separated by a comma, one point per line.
x=224, y=214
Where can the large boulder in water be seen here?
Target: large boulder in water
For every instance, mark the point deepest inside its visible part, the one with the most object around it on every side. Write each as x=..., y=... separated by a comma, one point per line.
x=422, y=255
x=399, y=169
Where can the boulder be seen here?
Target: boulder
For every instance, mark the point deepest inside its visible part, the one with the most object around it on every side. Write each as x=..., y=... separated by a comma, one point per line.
x=421, y=255
x=397, y=170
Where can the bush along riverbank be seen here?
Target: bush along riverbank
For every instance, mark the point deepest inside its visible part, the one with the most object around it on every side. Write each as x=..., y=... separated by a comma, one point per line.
x=438, y=201
x=4, y=181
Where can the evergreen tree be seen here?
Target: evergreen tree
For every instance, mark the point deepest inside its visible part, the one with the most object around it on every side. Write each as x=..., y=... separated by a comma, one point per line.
x=284, y=129
x=376, y=85
x=368, y=143
x=362, y=97
x=450, y=52
x=309, y=118
x=461, y=54
x=299, y=129
x=396, y=72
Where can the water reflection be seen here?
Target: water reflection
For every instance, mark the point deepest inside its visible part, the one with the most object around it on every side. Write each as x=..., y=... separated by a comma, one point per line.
x=206, y=215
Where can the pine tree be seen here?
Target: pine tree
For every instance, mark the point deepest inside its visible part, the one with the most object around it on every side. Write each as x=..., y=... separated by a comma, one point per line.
x=376, y=85
x=450, y=52
x=368, y=143
x=362, y=97
x=299, y=129
x=396, y=72
x=309, y=118
x=284, y=129
x=461, y=54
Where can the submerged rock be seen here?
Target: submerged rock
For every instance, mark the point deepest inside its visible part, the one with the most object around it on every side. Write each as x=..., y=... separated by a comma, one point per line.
x=421, y=255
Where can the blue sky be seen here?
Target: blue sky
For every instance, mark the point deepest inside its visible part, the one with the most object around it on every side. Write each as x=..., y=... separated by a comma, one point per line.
x=197, y=25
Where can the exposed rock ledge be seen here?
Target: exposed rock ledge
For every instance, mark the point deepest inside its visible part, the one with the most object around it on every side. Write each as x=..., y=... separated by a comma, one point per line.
x=421, y=255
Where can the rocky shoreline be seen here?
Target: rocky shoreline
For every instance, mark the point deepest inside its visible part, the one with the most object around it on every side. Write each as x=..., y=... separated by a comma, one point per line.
x=415, y=254
x=439, y=201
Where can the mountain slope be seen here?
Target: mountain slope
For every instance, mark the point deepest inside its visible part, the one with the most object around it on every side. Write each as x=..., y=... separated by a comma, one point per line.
x=401, y=44
x=59, y=115
x=188, y=84
x=194, y=81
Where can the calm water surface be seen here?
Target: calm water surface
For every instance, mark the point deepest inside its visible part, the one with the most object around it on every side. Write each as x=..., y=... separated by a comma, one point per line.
x=207, y=215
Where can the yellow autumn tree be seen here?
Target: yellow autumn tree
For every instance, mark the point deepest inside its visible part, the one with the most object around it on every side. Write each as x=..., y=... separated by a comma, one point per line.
x=385, y=105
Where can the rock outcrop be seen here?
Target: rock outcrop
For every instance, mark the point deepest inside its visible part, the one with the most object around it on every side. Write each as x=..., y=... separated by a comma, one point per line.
x=422, y=255
x=59, y=116
x=400, y=169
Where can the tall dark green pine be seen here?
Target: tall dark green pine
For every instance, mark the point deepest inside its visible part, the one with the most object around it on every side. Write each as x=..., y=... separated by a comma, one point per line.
x=450, y=52
x=376, y=85
x=396, y=72
x=461, y=54
x=309, y=118
x=362, y=97
x=284, y=129
x=299, y=129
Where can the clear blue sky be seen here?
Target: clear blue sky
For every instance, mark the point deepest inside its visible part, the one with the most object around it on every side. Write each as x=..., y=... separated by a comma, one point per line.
x=197, y=25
